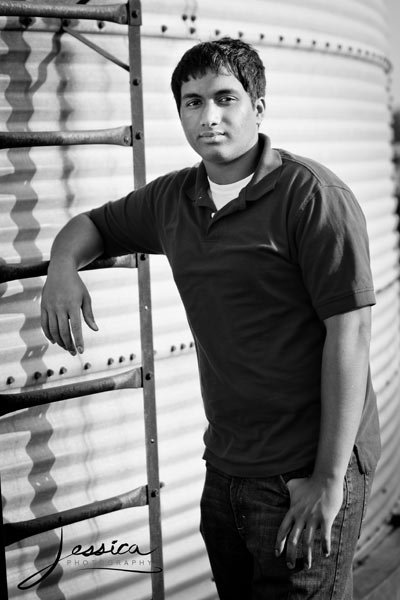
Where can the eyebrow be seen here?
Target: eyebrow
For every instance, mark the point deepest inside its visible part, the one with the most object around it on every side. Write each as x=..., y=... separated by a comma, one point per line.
x=217, y=93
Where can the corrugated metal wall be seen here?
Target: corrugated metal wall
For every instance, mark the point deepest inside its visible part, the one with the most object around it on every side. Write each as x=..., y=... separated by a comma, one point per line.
x=327, y=99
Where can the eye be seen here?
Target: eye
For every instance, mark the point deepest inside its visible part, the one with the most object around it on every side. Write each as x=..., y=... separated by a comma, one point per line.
x=192, y=103
x=226, y=99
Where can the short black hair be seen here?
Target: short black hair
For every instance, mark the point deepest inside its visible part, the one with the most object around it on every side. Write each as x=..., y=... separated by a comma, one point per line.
x=236, y=56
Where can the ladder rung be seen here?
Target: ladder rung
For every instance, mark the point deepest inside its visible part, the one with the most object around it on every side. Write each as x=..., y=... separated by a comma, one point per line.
x=116, y=13
x=120, y=136
x=35, y=397
x=12, y=272
x=14, y=532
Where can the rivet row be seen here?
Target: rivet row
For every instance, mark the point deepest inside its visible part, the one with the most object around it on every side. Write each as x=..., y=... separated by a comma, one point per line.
x=182, y=346
x=63, y=370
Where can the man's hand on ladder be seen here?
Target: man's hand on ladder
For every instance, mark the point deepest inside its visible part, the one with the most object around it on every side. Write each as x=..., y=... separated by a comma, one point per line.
x=64, y=296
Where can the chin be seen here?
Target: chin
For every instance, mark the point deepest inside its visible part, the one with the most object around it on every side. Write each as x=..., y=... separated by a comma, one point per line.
x=215, y=155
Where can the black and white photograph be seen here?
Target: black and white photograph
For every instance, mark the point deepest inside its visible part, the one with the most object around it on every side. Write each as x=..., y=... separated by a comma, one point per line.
x=199, y=300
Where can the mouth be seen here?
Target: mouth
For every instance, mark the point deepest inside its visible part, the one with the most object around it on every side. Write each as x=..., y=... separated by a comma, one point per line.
x=211, y=135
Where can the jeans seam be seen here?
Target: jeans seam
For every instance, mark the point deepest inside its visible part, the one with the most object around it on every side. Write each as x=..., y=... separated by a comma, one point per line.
x=339, y=553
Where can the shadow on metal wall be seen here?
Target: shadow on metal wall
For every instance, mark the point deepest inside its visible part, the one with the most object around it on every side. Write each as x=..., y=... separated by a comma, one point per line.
x=19, y=95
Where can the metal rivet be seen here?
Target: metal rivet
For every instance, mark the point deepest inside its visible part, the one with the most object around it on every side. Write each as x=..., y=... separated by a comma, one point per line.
x=173, y=348
x=135, y=14
x=193, y=18
x=132, y=356
x=217, y=32
x=37, y=375
x=121, y=359
x=50, y=372
x=138, y=135
x=63, y=370
x=136, y=81
x=154, y=493
x=110, y=361
x=281, y=38
x=10, y=380
x=240, y=34
x=191, y=345
x=87, y=366
x=152, y=441
x=101, y=24
x=183, y=346
x=163, y=28
x=148, y=376
x=184, y=17
x=26, y=21
x=327, y=44
x=262, y=36
x=314, y=42
x=143, y=257
x=298, y=40
x=192, y=30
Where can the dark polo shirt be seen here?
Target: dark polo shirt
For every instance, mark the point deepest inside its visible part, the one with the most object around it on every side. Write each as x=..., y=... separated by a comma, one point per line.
x=257, y=281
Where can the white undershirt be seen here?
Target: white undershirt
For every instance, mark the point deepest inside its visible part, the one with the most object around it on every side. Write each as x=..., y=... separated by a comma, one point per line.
x=222, y=194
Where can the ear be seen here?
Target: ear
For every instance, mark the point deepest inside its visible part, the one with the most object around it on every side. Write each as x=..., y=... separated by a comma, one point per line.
x=260, y=109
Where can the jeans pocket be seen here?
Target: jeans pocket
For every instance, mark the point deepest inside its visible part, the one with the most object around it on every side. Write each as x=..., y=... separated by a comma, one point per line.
x=283, y=485
x=297, y=474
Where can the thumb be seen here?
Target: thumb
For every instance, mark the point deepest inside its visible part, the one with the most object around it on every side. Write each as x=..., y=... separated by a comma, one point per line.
x=88, y=312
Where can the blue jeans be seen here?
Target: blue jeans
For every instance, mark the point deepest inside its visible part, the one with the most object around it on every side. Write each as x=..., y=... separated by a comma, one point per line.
x=240, y=518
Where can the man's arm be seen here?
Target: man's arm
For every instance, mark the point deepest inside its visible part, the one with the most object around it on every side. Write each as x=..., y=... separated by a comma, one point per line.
x=64, y=294
x=316, y=501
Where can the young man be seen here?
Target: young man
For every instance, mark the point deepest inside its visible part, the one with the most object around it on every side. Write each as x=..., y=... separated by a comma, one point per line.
x=270, y=255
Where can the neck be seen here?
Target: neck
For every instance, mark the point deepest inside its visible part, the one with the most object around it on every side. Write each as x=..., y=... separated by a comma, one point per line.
x=239, y=168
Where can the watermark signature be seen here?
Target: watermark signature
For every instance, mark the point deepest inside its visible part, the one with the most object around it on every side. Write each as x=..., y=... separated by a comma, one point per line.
x=115, y=549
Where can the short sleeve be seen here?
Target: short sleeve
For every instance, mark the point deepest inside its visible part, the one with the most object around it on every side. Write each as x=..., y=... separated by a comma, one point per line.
x=129, y=224
x=333, y=252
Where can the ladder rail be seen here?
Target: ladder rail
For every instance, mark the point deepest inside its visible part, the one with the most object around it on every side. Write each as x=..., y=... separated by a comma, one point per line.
x=150, y=420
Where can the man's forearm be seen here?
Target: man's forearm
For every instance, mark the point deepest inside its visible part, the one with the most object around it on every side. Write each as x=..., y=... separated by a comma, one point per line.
x=77, y=244
x=64, y=295
x=343, y=385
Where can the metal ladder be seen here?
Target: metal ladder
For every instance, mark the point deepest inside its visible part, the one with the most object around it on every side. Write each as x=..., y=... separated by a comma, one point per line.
x=149, y=494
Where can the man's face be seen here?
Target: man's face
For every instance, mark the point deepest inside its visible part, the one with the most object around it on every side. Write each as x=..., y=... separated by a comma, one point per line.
x=218, y=118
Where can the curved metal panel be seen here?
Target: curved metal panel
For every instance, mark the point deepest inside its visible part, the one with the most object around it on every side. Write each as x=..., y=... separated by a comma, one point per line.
x=326, y=98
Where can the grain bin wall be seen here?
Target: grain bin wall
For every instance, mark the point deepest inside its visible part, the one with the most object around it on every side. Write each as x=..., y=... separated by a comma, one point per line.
x=327, y=98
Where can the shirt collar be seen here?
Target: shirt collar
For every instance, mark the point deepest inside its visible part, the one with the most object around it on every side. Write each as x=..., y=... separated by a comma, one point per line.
x=269, y=163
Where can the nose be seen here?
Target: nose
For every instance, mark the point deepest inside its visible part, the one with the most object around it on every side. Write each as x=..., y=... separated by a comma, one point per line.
x=210, y=115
